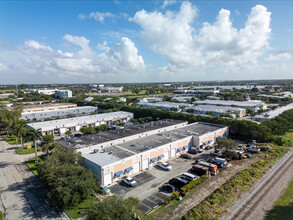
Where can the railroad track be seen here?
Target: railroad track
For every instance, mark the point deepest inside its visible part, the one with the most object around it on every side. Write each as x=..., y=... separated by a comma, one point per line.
x=252, y=201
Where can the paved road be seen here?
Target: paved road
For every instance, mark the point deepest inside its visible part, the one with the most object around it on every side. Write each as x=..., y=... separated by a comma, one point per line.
x=21, y=194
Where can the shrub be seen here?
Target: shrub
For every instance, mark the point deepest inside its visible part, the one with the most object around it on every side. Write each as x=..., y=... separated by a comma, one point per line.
x=175, y=195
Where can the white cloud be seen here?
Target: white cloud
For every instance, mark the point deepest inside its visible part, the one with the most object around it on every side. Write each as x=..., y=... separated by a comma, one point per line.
x=174, y=36
x=100, y=16
x=167, y=3
x=81, y=16
x=280, y=56
x=35, y=62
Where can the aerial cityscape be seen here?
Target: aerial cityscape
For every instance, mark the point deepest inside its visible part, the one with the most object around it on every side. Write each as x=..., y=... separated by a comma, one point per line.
x=159, y=109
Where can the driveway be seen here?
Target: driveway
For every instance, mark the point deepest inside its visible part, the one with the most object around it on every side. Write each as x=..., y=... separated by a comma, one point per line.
x=149, y=182
x=21, y=194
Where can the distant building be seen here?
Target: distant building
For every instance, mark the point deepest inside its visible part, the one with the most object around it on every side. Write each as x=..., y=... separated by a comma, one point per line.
x=59, y=127
x=185, y=91
x=6, y=95
x=111, y=89
x=122, y=99
x=217, y=110
x=52, y=106
x=151, y=99
x=255, y=105
x=65, y=112
x=63, y=94
x=272, y=114
x=164, y=105
x=182, y=98
x=89, y=99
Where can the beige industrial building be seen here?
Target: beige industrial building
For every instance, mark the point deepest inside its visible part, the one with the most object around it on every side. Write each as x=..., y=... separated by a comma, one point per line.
x=131, y=150
x=52, y=106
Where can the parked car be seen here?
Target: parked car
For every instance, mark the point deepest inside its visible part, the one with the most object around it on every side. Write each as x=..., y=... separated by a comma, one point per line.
x=168, y=188
x=129, y=181
x=178, y=182
x=199, y=160
x=222, y=160
x=164, y=166
x=264, y=149
x=189, y=176
x=200, y=170
x=252, y=150
x=193, y=151
x=199, y=150
x=105, y=189
x=216, y=153
x=186, y=156
x=247, y=155
x=208, y=147
x=214, y=161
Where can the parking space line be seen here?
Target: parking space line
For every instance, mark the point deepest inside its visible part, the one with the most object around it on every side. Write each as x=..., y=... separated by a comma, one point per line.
x=146, y=205
x=151, y=201
x=158, y=197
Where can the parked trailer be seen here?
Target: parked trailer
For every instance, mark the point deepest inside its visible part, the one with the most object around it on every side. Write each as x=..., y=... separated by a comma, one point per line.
x=212, y=167
x=200, y=170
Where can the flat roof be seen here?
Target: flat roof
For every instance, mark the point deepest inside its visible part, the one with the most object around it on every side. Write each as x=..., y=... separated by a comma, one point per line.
x=48, y=105
x=164, y=104
x=236, y=103
x=82, y=120
x=115, y=153
x=213, y=108
x=102, y=137
x=59, y=110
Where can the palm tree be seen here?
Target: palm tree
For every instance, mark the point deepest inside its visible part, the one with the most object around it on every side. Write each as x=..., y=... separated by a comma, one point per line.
x=21, y=131
x=34, y=136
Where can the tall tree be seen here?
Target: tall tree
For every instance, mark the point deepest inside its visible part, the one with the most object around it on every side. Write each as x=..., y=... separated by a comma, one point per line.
x=21, y=130
x=34, y=136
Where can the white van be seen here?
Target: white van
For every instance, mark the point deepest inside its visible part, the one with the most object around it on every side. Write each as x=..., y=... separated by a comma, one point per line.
x=189, y=176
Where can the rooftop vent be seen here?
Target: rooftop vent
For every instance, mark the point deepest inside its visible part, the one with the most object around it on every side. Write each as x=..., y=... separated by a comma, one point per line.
x=110, y=152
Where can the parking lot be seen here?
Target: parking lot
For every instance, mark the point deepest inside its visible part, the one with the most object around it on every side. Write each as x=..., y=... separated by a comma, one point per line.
x=150, y=181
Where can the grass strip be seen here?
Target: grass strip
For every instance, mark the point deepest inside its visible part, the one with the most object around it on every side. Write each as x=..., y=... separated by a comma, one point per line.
x=283, y=209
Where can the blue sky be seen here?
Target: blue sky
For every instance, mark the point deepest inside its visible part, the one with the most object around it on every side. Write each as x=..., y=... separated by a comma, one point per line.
x=144, y=41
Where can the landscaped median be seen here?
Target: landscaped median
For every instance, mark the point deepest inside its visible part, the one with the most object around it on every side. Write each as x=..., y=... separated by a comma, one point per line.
x=27, y=150
x=217, y=204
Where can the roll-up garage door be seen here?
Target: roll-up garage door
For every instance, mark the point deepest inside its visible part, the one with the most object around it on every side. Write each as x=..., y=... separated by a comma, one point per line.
x=62, y=130
x=145, y=164
x=173, y=152
x=107, y=179
x=136, y=167
x=166, y=155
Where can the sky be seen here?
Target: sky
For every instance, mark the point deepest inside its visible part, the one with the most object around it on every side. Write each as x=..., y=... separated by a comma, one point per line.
x=144, y=41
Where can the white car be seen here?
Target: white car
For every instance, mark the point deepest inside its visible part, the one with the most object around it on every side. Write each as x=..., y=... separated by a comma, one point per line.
x=165, y=166
x=105, y=189
x=129, y=181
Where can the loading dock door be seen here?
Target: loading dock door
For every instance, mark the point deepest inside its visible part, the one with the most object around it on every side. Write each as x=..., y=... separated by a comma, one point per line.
x=136, y=167
x=166, y=155
x=173, y=152
x=145, y=164
x=107, y=179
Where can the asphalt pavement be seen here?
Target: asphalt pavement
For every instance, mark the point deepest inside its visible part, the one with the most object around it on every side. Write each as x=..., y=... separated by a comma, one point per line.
x=21, y=194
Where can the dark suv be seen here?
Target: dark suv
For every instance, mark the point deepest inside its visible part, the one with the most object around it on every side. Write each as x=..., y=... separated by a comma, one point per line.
x=178, y=182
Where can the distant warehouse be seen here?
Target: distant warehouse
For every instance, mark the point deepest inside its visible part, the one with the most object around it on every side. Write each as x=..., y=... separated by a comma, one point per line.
x=58, y=127
x=52, y=106
x=174, y=106
x=45, y=114
x=131, y=150
x=255, y=105
x=216, y=110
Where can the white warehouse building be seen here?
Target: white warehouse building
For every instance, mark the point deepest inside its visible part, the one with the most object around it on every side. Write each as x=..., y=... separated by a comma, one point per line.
x=45, y=114
x=59, y=127
x=114, y=154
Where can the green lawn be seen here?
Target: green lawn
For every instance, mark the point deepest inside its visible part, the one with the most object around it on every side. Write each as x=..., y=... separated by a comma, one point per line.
x=25, y=150
x=11, y=139
x=283, y=209
x=1, y=216
x=33, y=165
x=81, y=209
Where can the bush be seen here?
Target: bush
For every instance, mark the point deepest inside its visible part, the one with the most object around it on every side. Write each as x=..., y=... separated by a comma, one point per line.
x=175, y=195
